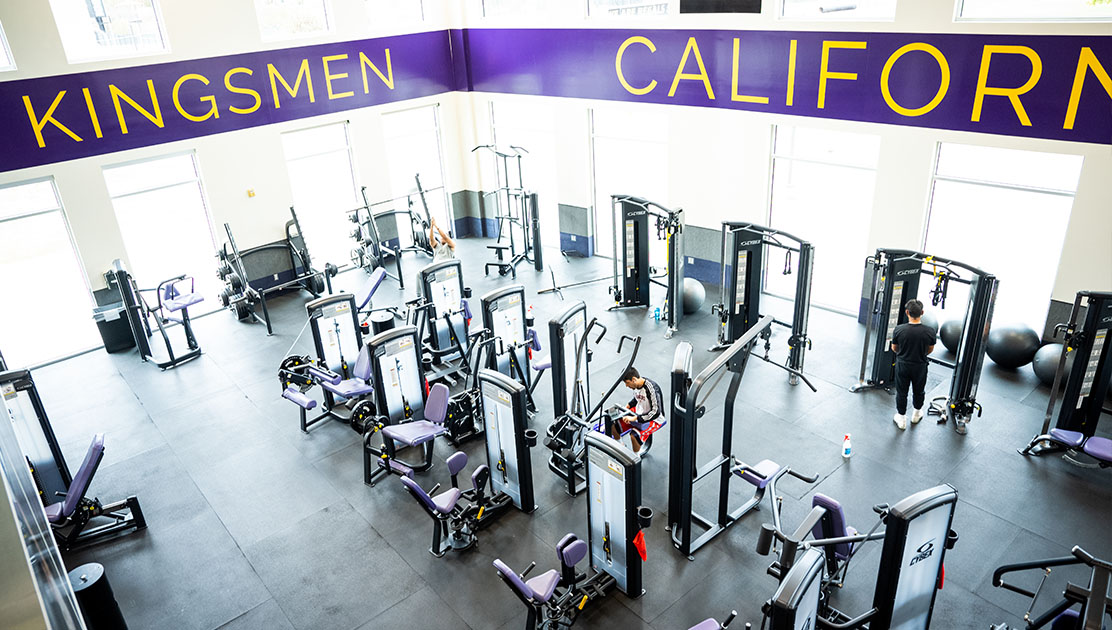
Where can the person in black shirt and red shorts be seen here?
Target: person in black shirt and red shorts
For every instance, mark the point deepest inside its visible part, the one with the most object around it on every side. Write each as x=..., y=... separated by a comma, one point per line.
x=647, y=405
x=912, y=342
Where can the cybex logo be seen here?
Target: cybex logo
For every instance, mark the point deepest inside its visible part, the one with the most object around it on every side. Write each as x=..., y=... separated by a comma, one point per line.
x=636, y=213
x=1106, y=319
x=923, y=552
x=748, y=243
x=907, y=272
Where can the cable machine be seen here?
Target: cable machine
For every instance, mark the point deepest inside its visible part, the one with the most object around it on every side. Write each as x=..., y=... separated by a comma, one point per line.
x=896, y=275
x=632, y=271
x=520, y=212
x=743, y=265
x=371, y=249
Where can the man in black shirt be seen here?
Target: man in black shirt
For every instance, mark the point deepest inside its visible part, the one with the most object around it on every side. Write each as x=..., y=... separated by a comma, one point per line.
x=647, y=405
x=912, y=342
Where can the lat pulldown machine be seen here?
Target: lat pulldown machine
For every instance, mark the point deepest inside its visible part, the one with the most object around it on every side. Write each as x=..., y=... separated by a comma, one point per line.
x=632, y=271
x=1088, y=383
x=895, y=280
x=743, y=264
x=520, y=212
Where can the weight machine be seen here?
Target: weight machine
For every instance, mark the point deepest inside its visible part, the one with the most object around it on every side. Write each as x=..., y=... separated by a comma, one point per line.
x=689, y=397
x=1088, y=383
x=744, y=249
x=443, y=315
x=1094, y=599
x=632, y=272
x=172, y=298
x=895, y=277
x=505, y=316
x=520, y=212
x=281, y=265
x=916, y=537
x=371, y=249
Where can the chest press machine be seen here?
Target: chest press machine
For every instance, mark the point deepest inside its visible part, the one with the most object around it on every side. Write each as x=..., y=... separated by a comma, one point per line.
x=895, y=278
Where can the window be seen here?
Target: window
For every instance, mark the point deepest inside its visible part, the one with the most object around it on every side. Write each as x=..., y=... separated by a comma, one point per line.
x=530, y=125
x=626, y=8
x=292, y=19
x=47, y=311
x=7, y=61
x=413, y=143
x=984, y=205
x=822, y=192
x=322, y=179
x=851, y=10
x=1035, y=10
x=94, y=30
x=391, y=13
x=160, y=208
x=538, y=9
x=630, y=156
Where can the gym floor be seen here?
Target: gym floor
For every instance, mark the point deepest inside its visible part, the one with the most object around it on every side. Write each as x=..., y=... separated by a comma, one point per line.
x=253, y=524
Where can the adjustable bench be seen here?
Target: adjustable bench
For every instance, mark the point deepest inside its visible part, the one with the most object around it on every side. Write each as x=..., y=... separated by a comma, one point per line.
x=1098, y=448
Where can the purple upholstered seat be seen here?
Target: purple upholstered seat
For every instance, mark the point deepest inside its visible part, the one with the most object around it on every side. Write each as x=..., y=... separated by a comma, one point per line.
x=358, y=384
x=421, y=431
x=442, y=503
x=833, y=524
x=543, y=585
x=446, y=500
x=534, y=340
x=174, y=300
x=706, y=624
x=456, y=463
x=1071, y=439
x=377, y=276
x=1066, y=621
x=513, y=579
x=299, y=398
x=1100, y=448
x=59, y=512
x=466, y=310
x=542, y=363
x=766, y=468
x=571, y=551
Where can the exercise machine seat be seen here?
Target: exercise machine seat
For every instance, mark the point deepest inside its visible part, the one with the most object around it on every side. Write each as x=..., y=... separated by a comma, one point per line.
x=442, y=503
x=706, y=624
x=1070, y=439
x=377, y=276
x=174, y=300
x=1066, y=621
x=58, y=512
x=766, y=471
x=421, y=431
x=835, y=519
x=357, y=385
x=570, y=552
x=542, y=364
x=543, y=585
x=534, y=340
x=299, y=398
x=456, y=463
x=1099, y=448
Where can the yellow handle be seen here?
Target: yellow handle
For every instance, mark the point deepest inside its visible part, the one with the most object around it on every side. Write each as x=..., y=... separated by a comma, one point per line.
x=481, y=510
x=582, y=602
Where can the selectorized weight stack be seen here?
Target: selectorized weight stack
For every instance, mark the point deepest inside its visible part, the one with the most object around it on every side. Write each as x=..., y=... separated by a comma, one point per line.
x=508, y=440
x=633, y=274
x=505, y=316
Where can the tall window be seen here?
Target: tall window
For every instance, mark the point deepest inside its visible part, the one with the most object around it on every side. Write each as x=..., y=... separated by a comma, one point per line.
x=93, y=30
x=1004, y=211
x=160, y=207
x=530, y=125
x=413, y=142
x=626, y=8
x=292, y=19
x=1035, y=10
x=857, y=10
x=822, y=192
x=47, y=309
x=392, y=13
x=322, y=177
x=630, y=149
x=7, y=61
x=539, y=9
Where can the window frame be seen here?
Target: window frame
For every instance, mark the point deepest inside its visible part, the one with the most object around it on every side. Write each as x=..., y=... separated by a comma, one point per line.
x=11, y=65
x=158, y=20
x=781, y=5
x=439, y=124
x=960, y=4
x=329, y=25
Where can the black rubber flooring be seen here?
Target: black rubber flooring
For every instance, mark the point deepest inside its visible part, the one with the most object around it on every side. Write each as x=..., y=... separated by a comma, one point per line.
x=253, y=524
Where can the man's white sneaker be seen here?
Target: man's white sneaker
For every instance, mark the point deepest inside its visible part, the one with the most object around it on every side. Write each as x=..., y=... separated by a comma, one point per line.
x=916, y=416
x=900, y=420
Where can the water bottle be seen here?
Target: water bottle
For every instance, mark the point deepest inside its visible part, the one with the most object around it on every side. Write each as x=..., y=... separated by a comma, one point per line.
x=656, y=314
x=847, y=449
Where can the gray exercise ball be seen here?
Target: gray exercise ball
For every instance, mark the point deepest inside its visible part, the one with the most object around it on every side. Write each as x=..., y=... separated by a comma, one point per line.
x=1046, y=363
x=929, y=319
x=950, y=333
x=1012, y=346
x=693, y=295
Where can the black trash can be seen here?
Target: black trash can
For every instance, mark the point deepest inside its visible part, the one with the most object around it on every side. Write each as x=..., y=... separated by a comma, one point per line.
x=95, y=598
x=381, y=321
x=115, y=331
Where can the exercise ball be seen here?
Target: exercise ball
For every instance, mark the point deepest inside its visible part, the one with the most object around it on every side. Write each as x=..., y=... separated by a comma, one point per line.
x=693, y=295
x=929, y=319
x=950, y=333
x=1046, y=363
x=1012, y=346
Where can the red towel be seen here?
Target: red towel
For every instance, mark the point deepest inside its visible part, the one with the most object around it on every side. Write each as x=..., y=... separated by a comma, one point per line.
x=639, y=544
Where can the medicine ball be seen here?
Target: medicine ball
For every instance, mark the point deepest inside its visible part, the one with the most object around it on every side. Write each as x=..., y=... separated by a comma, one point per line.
x=951, y=334
x=1012, y=346
x=1046, y=363
x=693, y=295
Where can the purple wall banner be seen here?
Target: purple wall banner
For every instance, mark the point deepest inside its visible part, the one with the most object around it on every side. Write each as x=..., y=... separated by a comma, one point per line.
x=1054, y=87
x=72, y=116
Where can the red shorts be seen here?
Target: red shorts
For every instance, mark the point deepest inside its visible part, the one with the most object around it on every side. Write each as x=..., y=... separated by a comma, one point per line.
x=624, y=426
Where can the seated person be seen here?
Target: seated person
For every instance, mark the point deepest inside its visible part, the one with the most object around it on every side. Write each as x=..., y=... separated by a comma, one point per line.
x=647, y=405
x=443, y=247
